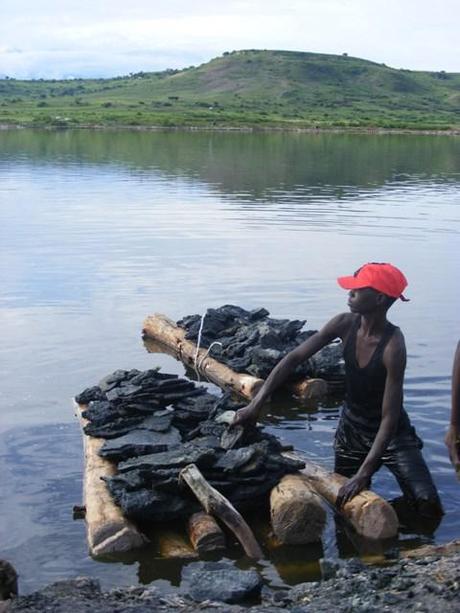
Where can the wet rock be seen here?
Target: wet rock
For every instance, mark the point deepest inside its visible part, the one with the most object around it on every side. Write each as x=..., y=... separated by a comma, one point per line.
x=235, y=459
x=183, y=455
x=232, y=437
x=8, y=580
x=138, y=443
x=220, y=581
x=151, y=444
x=152, y=504
x=89, y=394
x=335, y=594
x=329, y=568
x=252, y=342
x=82, y=595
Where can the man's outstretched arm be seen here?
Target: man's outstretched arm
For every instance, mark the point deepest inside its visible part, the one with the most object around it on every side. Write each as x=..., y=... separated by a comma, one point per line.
x=335, y=328
x=452, y=439
x=394, y=359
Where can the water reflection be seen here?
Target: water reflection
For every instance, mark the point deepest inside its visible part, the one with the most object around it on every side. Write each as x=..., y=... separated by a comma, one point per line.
x=99, y=229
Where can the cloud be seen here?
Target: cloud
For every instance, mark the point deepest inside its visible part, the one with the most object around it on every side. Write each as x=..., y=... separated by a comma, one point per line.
x=101, y=38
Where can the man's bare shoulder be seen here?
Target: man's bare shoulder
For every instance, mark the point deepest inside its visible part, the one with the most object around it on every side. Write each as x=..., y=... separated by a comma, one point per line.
x=395, y=351
x=340, y=324
x=397, y=339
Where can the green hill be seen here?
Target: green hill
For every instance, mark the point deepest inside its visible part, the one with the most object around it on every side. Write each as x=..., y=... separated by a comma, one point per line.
x=245, y=88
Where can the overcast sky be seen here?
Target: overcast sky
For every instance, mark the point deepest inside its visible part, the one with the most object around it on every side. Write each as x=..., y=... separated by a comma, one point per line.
x=73, y=38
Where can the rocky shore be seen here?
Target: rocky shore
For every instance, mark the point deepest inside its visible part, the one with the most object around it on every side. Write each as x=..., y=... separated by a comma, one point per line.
x=428, y=584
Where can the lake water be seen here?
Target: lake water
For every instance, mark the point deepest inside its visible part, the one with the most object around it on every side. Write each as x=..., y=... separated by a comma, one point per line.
x=100, y=229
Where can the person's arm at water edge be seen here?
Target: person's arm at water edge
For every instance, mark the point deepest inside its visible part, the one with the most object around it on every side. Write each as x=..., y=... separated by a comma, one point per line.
x=452, y=439
x=335, y=328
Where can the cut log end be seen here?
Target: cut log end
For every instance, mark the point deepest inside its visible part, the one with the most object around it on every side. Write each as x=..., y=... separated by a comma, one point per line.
x=205, y=534
x=123, y=540
x=297, y=514
x=174, y=545
x=309, y=389
x=372, y=517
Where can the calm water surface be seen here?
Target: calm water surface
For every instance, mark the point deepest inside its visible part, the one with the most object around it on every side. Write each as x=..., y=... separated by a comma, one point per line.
x=97, y=230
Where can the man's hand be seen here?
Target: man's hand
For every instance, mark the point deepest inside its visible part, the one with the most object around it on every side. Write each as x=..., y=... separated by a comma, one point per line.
x=452, y=441
x=353, y=486
x=246, y=415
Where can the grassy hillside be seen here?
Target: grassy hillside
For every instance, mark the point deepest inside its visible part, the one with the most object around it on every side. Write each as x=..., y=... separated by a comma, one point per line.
x=245, y=88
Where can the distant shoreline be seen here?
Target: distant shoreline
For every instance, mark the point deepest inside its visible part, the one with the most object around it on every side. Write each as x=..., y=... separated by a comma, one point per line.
x=371, y=131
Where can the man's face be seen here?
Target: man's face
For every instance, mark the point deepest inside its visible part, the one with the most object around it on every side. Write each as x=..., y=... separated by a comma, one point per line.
x=364, y=300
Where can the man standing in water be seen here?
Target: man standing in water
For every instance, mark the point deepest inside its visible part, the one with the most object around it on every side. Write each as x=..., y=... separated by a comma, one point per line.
x=374, y=428
x=453, y=433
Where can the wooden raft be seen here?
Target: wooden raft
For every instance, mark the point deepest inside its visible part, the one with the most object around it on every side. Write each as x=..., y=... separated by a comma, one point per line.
x=108, y=530
x=369, y=514
x=162, y=329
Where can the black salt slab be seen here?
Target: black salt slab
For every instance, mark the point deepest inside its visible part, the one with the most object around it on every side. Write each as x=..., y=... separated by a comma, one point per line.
x=139, y=443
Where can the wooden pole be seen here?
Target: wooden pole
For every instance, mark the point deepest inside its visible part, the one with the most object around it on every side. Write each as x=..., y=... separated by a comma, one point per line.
x=214, y=503
x=205, y=534
x=160, y=328
x=108, y=531
x=370, y=515
x=297, y=513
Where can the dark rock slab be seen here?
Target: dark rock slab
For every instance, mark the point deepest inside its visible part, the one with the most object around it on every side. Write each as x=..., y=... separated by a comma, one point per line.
x=139, y=443
x=178, y=457
x=113, y=429
x=232, y=437
x=100, y=412
x=253, y=342
x=220, y=581
x=151, y=504
x=89, y=394
x=235, y=459
x=115, y=378
x=159, y=422
x=130, y=481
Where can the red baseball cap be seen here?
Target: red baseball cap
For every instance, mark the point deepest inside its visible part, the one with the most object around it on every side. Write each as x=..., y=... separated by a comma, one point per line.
x=382, y=277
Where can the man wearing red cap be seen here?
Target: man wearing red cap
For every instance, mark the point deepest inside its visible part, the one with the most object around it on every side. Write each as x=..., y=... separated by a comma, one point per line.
x=453, y=433
x=374, y=428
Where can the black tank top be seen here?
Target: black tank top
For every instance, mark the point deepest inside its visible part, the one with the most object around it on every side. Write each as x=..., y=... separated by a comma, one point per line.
x=365, y=386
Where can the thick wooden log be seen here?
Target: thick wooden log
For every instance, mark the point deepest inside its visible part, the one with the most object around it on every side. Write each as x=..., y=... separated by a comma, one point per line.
x=205, y=534
x=174, y=545
x=296, y=510
x=162, y=329
x=108, y=531
x=309, y=389
x=369, y=514
x=214, y=503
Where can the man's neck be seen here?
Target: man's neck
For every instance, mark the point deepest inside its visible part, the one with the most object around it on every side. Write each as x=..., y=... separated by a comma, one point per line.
x=373, y=324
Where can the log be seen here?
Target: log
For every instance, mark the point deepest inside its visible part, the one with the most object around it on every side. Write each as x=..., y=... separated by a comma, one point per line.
x=369, y=514
x=309, y=389
x=214, y=503
x=108, y=531
x=163, y=330
x=173, y=545
x=297, y=513
x=205, y=534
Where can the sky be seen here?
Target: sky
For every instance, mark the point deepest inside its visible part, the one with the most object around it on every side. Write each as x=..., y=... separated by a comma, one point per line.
x=100, y=38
